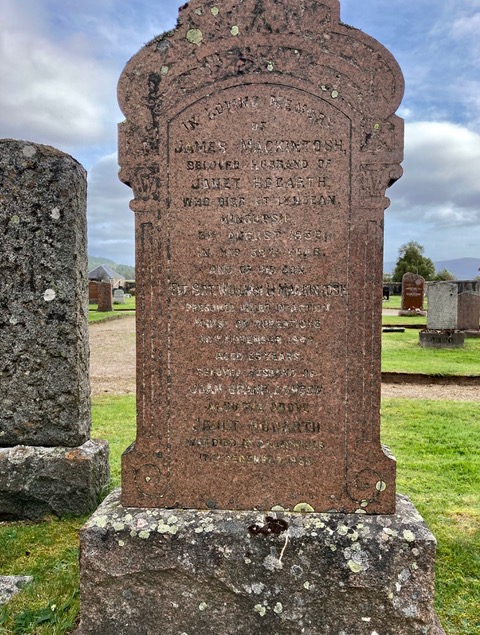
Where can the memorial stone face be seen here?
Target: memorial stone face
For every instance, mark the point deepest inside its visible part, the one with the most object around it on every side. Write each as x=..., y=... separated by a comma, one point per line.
x=442, y=305
x=44, y=387
x=259, y=141
x=119, y=296
x=413, y=290
x=105, y=300
x=468, y=311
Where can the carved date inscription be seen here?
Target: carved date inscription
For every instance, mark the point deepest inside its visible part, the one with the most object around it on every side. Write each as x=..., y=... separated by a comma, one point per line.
x=258, y=231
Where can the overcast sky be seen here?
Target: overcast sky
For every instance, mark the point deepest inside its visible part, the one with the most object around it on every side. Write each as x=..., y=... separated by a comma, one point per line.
x=60, y=61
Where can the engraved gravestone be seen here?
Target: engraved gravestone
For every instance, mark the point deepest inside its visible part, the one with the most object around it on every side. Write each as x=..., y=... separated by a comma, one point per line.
x=105, y=299
x=259, y=141
x=413, y=291
x=442, y=305
x=468, y=311
x=259, y=163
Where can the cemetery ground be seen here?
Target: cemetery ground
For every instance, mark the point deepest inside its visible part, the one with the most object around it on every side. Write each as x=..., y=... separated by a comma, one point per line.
x=436, y=443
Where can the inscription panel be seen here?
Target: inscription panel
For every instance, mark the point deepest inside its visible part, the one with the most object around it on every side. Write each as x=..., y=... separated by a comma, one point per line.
x=257, y=275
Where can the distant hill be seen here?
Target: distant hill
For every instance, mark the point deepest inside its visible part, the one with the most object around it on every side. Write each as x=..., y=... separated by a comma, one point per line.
x=124, y=270
x=462, y=268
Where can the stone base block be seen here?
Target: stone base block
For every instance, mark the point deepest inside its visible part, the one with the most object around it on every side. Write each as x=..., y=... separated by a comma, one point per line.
x=442, y=339
x=188, y=572
x=36, y=481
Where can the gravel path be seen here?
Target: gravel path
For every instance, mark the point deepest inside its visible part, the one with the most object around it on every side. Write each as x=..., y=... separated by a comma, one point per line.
x=112, y=367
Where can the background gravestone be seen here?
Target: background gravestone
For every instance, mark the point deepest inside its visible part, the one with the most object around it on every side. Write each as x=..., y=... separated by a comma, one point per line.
x=468, y=311
x=47, y=463
x=105, y=298
x=413, y=291
x=259, y=141
x=442, y=305
x=119, y=296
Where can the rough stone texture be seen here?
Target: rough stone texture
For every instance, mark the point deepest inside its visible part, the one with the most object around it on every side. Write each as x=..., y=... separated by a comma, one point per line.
x=10, y=585
x=105, y=300
x=36, y=481
x=413, y=291
x=44, y=388
x=259, y=140
x=442, y=305
x=468, y=311
x=441, y=339
x=197, y=572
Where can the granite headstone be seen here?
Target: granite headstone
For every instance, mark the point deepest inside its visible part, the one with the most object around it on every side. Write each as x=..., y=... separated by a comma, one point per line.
x=468, y=311
x=442, y=306
x=47, y=463
x=413, y=291
x=119, y=296
x=259, y=170
x=259, y=140
x=105, y=299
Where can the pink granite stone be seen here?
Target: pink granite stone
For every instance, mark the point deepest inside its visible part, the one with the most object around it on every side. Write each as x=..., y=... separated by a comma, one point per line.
x=259, y=141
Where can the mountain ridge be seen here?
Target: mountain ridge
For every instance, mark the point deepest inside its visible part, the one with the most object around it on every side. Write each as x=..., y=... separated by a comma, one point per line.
x=461, y=268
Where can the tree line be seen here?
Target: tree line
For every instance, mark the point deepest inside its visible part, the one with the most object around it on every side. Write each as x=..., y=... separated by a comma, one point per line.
x=411, y=259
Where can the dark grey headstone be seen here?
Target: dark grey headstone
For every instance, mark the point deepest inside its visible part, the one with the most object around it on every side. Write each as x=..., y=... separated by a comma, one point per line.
x=44, y=388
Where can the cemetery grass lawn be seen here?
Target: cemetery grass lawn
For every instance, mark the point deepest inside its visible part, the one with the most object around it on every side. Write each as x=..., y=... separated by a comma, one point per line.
x=119, y=310
x=402, y=353
x=49, y=550
x=400, y=320
x=436, y=444
x=395, y=302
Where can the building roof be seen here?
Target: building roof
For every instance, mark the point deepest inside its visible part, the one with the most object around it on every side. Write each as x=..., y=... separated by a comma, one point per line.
x=104, y=272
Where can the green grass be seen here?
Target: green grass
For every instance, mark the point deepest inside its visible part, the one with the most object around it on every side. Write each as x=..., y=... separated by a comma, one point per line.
x=437, y=448
x=402, y=353
x=395, y=302
x=402, y=321
x=119, y=310
x=49, y=550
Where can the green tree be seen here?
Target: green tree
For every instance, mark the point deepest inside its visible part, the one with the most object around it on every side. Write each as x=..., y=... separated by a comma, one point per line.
x=444, y=274
x=411, y=259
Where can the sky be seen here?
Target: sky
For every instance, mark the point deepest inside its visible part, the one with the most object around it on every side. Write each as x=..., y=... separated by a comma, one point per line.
x=60, y=61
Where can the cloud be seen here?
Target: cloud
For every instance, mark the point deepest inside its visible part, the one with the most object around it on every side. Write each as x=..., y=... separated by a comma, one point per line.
x=110, y=220
x=437, y=201
x=440, y=184
x=52, y=92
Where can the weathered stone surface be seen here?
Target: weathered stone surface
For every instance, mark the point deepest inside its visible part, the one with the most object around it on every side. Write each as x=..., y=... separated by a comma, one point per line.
x=10, y=585
x=441, y=339
x=442, y=305
x=468, y=311
x=105, y=300
x=197, y=572
x=413, y=291
x=44, y=388
x=36, y=481
x=259, y=140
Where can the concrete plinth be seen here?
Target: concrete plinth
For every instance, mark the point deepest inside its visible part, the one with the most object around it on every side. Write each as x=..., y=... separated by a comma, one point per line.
x=186, y=572
x=36, y=481
x=441, y=339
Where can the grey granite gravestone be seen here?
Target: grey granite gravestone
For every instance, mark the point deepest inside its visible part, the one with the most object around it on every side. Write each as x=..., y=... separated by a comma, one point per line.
x=442, y=305
x=47, y=462
x=259, y=140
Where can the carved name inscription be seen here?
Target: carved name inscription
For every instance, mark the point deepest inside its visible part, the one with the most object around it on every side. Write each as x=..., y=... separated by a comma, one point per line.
x=259, y=172
x=255, y=227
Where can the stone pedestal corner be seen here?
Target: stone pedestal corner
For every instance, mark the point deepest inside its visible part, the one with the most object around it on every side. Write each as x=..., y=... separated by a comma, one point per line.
x=204, y=572
x=37, y=481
